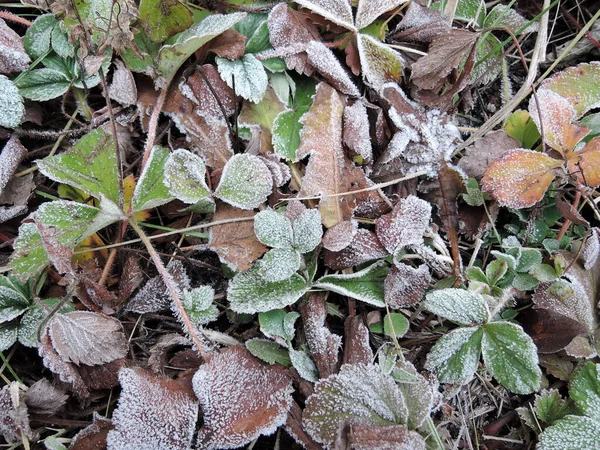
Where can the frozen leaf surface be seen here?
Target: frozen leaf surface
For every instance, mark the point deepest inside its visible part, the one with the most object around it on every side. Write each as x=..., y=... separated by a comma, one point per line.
x=15, y=297
x=359, y=394
x=279, y=264
x=14, y=417
x=364, y=247
x=12, y=52
x=273, y=229
x=591, y=249
x=307, y=230
x=486, y=150
x=340, y=236
x=369, y=437
x=249, y=74
x=241, y=399
x=87, y=338
x=43, y=397
x=198, y=304
x=570, y=433
x=246, y=182
x=326, y=63
x=304, y=365
x=184, y=175
x=405, y=225
x=41, y=85
x=369, y=10
x=338, y=12
x=356, y=130
x=123, y=88
x=458, y=305
x=418, y=393
x=584, y=389
x=11, y=104
x=379, y=62
x=153, y=412
x=150, y=190
x=405, y=285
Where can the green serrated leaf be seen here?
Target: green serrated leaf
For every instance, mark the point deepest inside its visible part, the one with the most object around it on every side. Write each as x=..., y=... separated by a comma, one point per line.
x=308, y=230
x=259, y=41
x=579, y=85
x=150, y=190
x=271, y=323
x=43, y=84
x=61, y=44
x=91, y=165
x=395, y=324
x=248, y=292
x=529, y=257
x=269, y=351
x=379, y=62
x=511, y=357
x=162, y=19
x=37, y=38
x=273, y=229
x=495, y=271
x=304, y=364
x=584, y=389
x=32, y=320
x=250, y=77
x=246, y=182
x=8, y=335
x=474, y=273
x=455, y=356
x=458, y=305
x=185, y=175
x=286, y=134
x=279, y=264
x=365, y=285
x=11, y=104
x=571, y=433
x=198, y=305
x=15, y=297
x=550, y=406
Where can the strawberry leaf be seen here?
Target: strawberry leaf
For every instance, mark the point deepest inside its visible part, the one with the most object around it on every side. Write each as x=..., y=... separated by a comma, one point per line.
x=184, y=175
x=250, y=76
x=11, y=104
x=150, y=190
x=246, y=182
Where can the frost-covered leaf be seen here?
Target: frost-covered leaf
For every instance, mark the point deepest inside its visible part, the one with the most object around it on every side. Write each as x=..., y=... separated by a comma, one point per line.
x=14, y=417
x=420, y=24
x=10, y=158
x=405, y=225
x=249, y=292
x=12, y=53
x=250, y=76
x=550, y=406
x=235, y=242
x=123, y=88
x=405, y=285
x=38, y=35
x=261, y=115
x=43, y=84
x=503, y=16
x=269, y=351
x=184, y=175
x=162, y=19
x=358, y=394
x=11, y=104
x=455, y=356
x=87, y=338
x=304, y=365
x=15, y=297
x=8, y=335
x=246, y=182
x=44, y=398
x=419, y=393
x=365, y=285
x=150, y=190
x=340, y=236
x=591, y=248
x=369, y=437
x=33, y=319
x=511, y=357
x=326, y=63
x=484, y=151
x=91, y=165
x=364, y=247
x=277, y=324
x=584, y=164
x=584, y=389
x=153, y=412
x=356, y=131
x=338, y=12
x=369, y=10
x=273, y=229
x=279, y=264
x=395, y=324
x=198, y=304
x=458, y=305
x=520, y=178
x=307, y=230
x=241, y=399
x=172, y=56
x=379, y=62
x=570, y=433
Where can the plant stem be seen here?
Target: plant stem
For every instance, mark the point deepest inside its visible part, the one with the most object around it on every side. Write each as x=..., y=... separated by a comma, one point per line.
x=82, y=103
x=153, y=124
x=172, y=288
x=8, y=16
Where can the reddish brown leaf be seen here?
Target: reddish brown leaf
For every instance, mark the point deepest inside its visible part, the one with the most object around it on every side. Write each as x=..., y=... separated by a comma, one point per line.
x=14, y=418
x=92, y=437
x=550, y=330
x=131, y=276
x=568, y=211
x=12, y=52
x=356, y=131
x=364, y=247
x=585, y=164
x=10, y=158
x=340, y=236
x=229, y=44
x=420, y=24
x=405, y=285
x=58, y=254
x=484, y=151
x=356, y=343
x=241, y=398
x=153, y=412
x=44, y=398
x=519, y=178
x=591, y=248
x=389, y=437
x=405, y=225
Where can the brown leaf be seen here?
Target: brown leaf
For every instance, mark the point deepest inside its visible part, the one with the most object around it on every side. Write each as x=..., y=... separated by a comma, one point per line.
x=294, y=427
x=445, y=54
x=326, y=63
x=153, y=412
x=356, y=131
x=356, y=343
x=235, y=243
x=364, y=247
x=551, y=331
x=88, y=338
x=405, y=225
x=585, y=164
x=420, y=24
x=241, y=398
x=123, y=88
x=14, y=418
x=384, y=437
x=92, y=437
x=44, y=398
x=591, y=249
x=484, y=151
x=323, y=344
x=229, y=44
x=131, y=276
x=10, y=158
x=353, y=57
x=569, y=212
x=13, y=57
x=405, y=285
x=101, y=377
x=340, y=235
x=59, y=255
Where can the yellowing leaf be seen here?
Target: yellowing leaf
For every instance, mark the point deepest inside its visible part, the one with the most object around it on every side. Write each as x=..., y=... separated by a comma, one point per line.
x=128, y=188
x=380, y=63
x=520, y=177
x=585, y=164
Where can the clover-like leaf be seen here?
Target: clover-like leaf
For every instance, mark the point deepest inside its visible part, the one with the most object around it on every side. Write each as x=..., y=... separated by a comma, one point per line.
x=241, y=399
x=307, y=230
x=11, y=104
x=584, y=389
x=184, y=175
x=279, y=264
x=153, y=412
x=455, y=356
x=273, y=229
x=43, y=84
x=520, y=178
x=198, y=304
x=570, y=433
x=358, y=394
x=246, y=182
x=249, y=74
x=15, y=297
x=150, y=190
x=511, y=357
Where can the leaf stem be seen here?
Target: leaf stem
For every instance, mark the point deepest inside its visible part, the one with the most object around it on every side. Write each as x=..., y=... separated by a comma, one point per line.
x=153, y=124
x=8, y=16
x=82, y=103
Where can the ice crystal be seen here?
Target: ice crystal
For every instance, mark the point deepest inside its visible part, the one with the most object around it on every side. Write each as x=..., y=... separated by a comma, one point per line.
x=338, y=12
x=323, y=59
x=279, y=264
x=307, y=231
x=364, y=247
x=591, y=249
x=340, y=236
x=12, y=53
x=43, y=397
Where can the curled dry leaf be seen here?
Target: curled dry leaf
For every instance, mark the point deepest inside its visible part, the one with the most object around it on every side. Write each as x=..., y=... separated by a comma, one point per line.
x=123, y=88
x=241, y=399
x=356, y=346
x=153, y=412
x=44, y=398
x=486, y=150
x=420, y=24
x=14, y=417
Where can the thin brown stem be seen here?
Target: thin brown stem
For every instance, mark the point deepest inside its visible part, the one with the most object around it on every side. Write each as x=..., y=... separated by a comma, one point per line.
x=153, y=124
x=8, y=16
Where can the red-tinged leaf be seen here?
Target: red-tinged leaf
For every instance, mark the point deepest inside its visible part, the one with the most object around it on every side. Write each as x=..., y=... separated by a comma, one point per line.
x=241, y=399
x=420, y=24
x=154, y=412
x=569, y=211
x=44, y=398
x=369, y=437
x=585, y=164
x=92, y=437
x=484, y=151
x=364, y=247
x=230, y=45
x=131, y=278
x=327, y=64
x=520, y=178
x=356, y=131
x=405, y=225
x=550, y=330
x=323, y=344
x=10, y=158
x=59, y=255
x=235, y=242
x=13, y=57
x=554, y=119
x=405, y=285
x=101, y=377
x=87, y=338
x=14, y=418
x=356, y=344
x=340, y=236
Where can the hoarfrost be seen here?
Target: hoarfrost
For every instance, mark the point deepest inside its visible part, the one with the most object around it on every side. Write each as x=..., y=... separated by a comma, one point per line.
x=420, y=394
x=358, y=394
x=570, y=433
x=369, y=10
x=246, y=182
x=198, y=304
x=304, y=365
x=250, y=77
x=405, y=285
x=11, y=104
x=337, y=11
x=185, y=175
x=340, y=236
x=123, y=88
x=405, y=225
x=502, y=15
x=421, y=24
x=14, y=417
x=273, y=229
x=150, y=190
x=279, y=264
x=584, y=389
x=364, y=247
x=12, y=53
x=43, y=397
x=307, y=230
x=591, y=249
x=323, y=59
x=458, y=305
x=241, y=399
x=153, y=412
x=356, y=130
x=379, y=62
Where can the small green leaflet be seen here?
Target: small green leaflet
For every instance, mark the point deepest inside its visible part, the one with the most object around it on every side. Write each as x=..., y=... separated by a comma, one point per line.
x=43, y=84
x=15, y=297
x=184, y=176
x=269, y=351
x=570, y=433
x=150, y=190
x=11, y=104
x=250, y=77
x=584, y=389
x=304, y=365
x=246, y=182
x=162, y=19
x=458, y=305
x=279, y=264
x=198, y=304
x=273, y=229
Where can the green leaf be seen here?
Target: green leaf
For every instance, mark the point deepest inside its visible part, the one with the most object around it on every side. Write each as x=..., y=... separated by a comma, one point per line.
x=521, y=126
x=458, y=305
x=11, y=104
x=495, y=271
x=571, y=433
x=8, y=335
x=273, y=229
x=503, y=16
x=511, y=357
x=15, y=297
x=379, y=62
x=279, y=264
x=579, y=85
x=286, y=134
x=304, y=364
x=524, y=282
x=474, y=273
x=146, y=61
x=544, y=273
x=271, y=323
x=250, y=77
x=162, y=19
x=184, y=175
x=246, y=182
x=250, y=24
x=150, y=190
x=61, y=44
x=198, y=304
x=358, y=394
x=91, y=165
x=365, y=285
x=43, y=84
x=37, y=38
x=474, y=195
x=455, y=356
x=308, y=230
x=259, y=41
x=171, y=57
x=396, y=322
x=32, y=320
x=269, y=351
x=418, y=393
x=249, y=292
x=52, y=443
x=584, y=389
x=529, y=257
x=550, y=406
